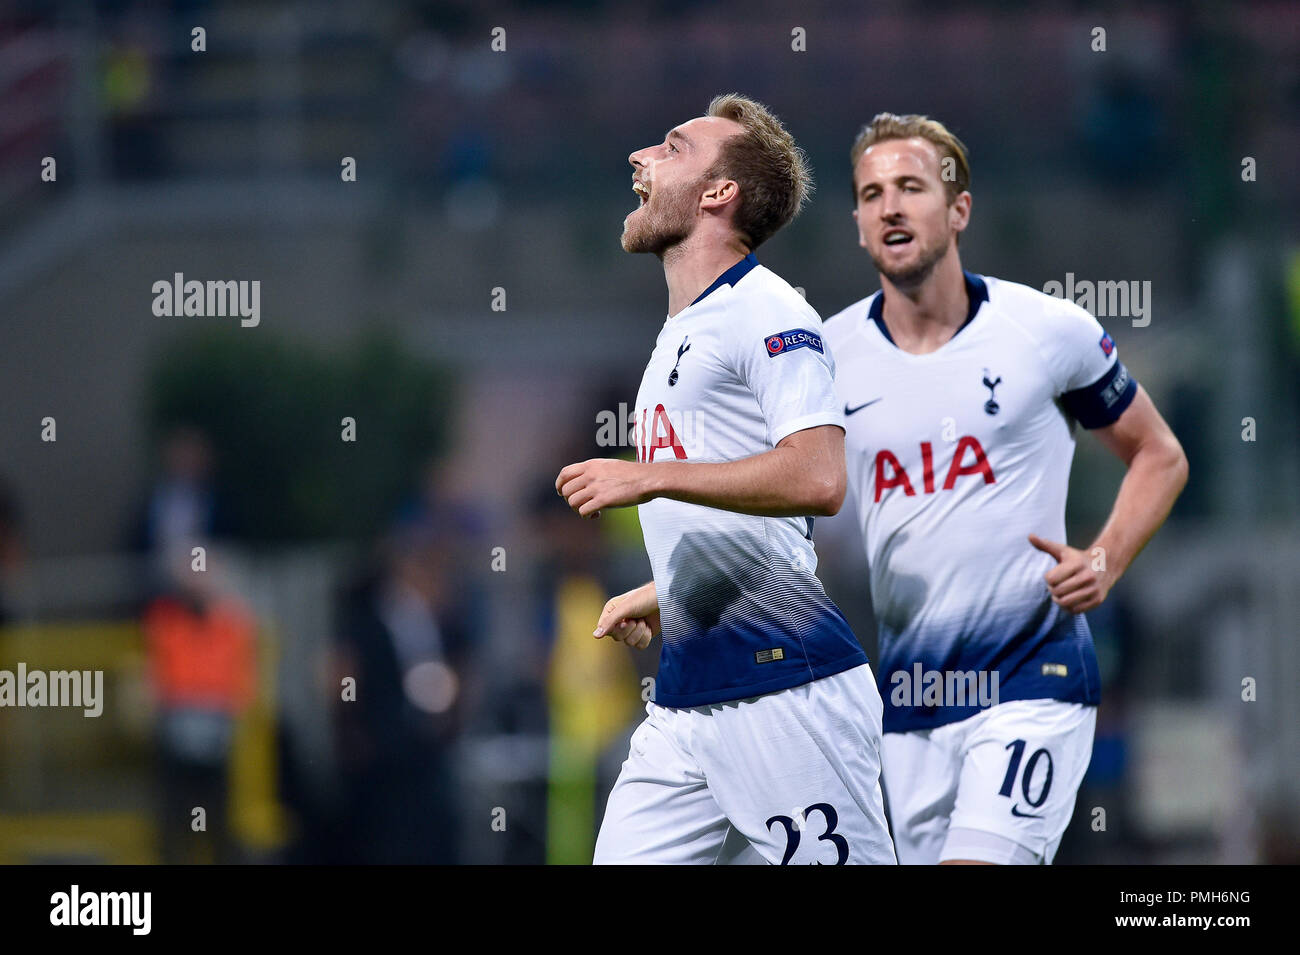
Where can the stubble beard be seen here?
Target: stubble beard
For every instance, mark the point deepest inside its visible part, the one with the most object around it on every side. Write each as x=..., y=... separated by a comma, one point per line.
x=670, y=225
x=914, y=275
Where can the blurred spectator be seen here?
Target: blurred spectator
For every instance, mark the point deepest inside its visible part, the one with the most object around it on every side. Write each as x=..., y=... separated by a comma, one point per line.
x=202, y=664
x=592, y=686
x=11, y=545
x=130, y=90
x=182, y=509
x=404, y=647
x=441, y=500
x=1123, y=109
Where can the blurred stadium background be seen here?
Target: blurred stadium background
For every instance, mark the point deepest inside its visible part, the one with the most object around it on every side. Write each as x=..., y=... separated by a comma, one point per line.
x=429, y=560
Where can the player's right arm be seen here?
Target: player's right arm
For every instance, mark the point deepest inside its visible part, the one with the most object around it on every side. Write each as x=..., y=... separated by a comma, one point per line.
x=804, y=475
x=632, y=618
x=777, y=352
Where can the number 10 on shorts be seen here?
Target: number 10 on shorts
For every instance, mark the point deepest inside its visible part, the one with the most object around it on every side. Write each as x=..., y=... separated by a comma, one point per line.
x=1017, y=748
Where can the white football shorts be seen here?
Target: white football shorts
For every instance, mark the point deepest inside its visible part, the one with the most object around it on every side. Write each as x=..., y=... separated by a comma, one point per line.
x=996, y=787
x=790, y=778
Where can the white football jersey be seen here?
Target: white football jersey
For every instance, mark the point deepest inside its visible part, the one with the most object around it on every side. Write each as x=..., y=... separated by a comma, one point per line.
x=742, y=610
x=954, y=458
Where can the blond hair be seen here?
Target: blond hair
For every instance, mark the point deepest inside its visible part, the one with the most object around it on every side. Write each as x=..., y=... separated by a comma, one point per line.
x=887, y=126
x=771, y=170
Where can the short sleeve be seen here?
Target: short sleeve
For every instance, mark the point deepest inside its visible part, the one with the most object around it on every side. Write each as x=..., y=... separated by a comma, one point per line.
x=786, y=362
x=1094, y=386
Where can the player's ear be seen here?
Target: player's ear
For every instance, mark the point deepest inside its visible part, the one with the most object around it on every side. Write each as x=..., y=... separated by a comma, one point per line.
x=720, y=193
x=959, y=212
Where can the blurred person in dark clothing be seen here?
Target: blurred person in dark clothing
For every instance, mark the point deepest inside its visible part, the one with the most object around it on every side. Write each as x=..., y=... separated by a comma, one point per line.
x=11, y=545
x=201, y=642
x=182, y=508
x=132, y=80
x=400, y=661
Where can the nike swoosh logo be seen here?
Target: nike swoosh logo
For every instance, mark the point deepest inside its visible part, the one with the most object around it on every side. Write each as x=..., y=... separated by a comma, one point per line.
x=1015, y=811
x=849, y=411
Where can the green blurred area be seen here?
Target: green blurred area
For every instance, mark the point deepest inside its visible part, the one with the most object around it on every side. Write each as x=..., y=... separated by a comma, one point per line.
x=275, y=417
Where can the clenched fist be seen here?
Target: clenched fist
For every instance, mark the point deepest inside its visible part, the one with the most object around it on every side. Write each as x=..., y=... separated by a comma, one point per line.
x=1074, y=585
x=603, y=482
x=632, y=618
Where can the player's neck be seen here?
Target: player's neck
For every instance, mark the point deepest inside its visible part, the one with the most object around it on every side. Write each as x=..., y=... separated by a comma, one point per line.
x=922, y=319
x=693, y=265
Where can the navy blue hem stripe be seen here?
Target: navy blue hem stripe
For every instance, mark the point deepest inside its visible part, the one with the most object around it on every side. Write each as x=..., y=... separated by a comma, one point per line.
x=729, y=694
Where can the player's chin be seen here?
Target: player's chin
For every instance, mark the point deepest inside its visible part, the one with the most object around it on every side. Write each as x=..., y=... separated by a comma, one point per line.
x=638, y=241
x=900, y=269
x=634, y=237
x=906, y=265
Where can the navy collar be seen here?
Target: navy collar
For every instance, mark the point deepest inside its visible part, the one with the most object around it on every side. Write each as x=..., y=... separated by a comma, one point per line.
x=976, y=291
x=731, y=276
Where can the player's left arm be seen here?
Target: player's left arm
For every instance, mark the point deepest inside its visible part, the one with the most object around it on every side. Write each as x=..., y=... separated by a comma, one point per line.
x=803, y=476
x=1157, y=473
